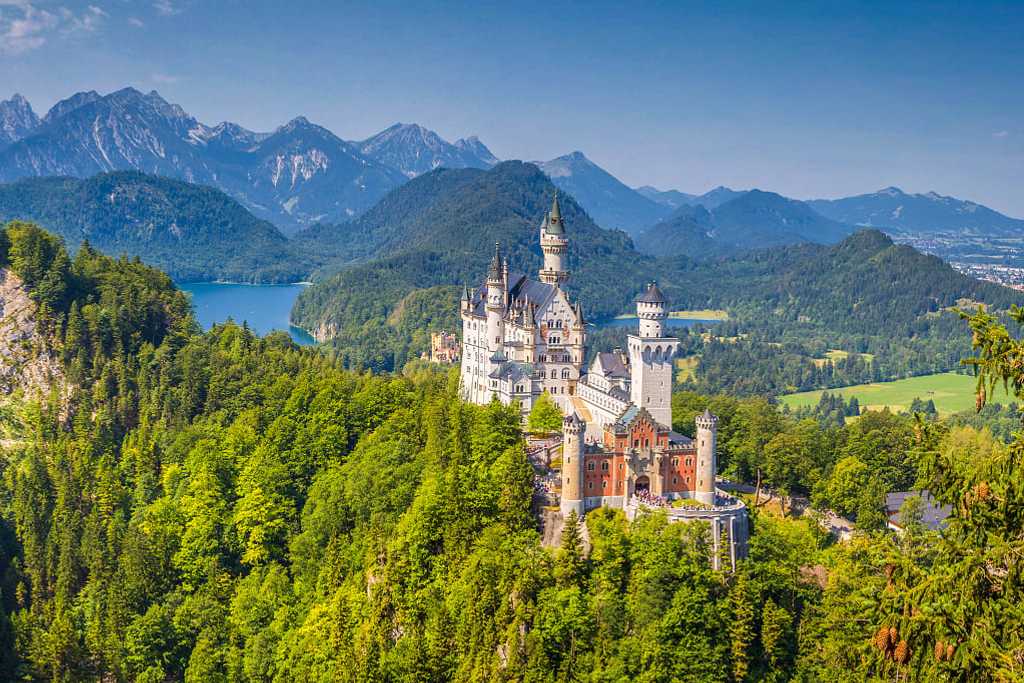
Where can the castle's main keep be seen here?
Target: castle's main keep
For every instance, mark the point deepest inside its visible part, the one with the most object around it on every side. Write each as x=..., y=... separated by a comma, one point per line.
x=522, y=337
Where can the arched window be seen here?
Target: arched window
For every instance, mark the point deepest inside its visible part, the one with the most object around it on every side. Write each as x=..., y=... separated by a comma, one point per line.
x=604, y=466
x=590, y=465
x=554, y=374
x=565, y=373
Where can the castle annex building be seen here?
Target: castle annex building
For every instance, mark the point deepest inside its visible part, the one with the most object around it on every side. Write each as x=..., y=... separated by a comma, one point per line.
x=522, y=337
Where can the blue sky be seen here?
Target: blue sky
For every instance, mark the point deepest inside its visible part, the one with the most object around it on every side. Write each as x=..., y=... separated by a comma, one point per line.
x=806, y=99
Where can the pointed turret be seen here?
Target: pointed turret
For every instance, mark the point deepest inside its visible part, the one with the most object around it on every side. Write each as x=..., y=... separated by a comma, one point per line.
x=554, y=222
x=555, y=245
x=494, y=272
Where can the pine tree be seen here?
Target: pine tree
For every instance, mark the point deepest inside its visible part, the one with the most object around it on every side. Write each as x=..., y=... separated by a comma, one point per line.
x=569, y=567
x=741, y=624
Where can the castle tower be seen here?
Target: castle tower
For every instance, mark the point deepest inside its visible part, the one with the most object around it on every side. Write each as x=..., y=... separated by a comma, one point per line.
x=650, y=310
x=707, y=436
x=555, y=246
x=572, y=464
x=651, y=356
x=497, y=291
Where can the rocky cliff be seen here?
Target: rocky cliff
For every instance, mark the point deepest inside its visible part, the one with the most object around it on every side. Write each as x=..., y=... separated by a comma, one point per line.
x=27, y=363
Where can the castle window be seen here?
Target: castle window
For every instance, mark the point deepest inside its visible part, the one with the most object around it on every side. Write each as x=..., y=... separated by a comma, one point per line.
x=590, y=465
x=590, y=485
x=675, y=480
x=554, y=374
x=604, y=484
x=689, y=462
x=647, y=443
x=675, y=462
x=565, y=373
x=620, y=467
x=604, y=466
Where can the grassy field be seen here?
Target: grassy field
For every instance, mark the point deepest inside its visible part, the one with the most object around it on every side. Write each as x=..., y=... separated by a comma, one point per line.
x=950, y=392
x=685, y=367
x=835, y=355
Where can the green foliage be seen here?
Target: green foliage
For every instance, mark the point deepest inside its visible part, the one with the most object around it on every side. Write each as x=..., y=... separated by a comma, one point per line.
x=545, y=416
x=195, y=233
x=215, y=507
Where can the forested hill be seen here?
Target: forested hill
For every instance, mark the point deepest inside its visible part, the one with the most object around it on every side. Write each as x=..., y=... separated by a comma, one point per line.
x=440, y=229
x=192, y=232
x=865, y=284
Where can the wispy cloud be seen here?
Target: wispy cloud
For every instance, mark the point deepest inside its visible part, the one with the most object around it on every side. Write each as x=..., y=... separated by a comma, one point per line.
x=136, y=22
x=163, y=79
x=166, y=8
x=1001, y=134
x=24, y=26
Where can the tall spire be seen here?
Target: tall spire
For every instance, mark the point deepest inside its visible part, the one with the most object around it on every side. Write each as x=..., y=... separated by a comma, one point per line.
x=553, y=223
x=494, y=273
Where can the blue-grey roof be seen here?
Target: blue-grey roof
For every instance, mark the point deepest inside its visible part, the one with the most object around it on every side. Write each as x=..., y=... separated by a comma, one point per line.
x=653, y=295
x=934, y=514
x=611, y=364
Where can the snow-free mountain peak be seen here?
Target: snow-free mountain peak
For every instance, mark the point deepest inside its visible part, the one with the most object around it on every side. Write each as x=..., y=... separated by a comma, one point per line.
x=414, y=150
x=17, y=119
x=608, y=201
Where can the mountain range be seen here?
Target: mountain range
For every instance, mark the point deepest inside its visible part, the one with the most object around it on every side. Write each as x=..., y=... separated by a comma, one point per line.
x=303, y=175
x=297, y=175
x=750, y=220
x=894, y=210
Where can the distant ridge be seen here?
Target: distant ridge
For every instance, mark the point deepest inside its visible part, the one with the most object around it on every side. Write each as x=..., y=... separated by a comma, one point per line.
x=750, y=220
x=893, y=209
x=609, y=202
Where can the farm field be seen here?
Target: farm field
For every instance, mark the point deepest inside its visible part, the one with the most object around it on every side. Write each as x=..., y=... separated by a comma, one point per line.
x=950, y=392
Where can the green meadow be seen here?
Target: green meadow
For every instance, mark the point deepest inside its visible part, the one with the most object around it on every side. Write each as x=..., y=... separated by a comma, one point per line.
x=950, y=392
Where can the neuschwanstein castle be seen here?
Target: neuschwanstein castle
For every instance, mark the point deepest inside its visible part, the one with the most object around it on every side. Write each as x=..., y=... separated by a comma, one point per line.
x=522, y=337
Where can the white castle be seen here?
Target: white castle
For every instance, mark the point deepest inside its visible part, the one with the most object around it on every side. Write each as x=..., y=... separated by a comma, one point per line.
x=521, y=337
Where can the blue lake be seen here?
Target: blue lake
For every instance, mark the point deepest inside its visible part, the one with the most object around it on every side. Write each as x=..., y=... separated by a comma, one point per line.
x=632, y=321
x=263, y=307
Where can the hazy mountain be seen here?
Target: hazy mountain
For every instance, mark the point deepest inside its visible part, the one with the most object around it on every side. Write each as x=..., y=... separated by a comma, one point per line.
x=299, y=174
x=192, y=232
x=67, y=105
x=473, y=146
x=609, y=202
x=415, y=150
x=688, y=230
x=893, y=209
x=751, y=220
x=670, y=198
x=16, y=119
x=716, y=197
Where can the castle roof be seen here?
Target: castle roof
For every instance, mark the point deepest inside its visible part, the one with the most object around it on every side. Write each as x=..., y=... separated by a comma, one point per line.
x=494, y=272
x=510, y=370
x=611, y=364
x=554, y=221
x=653, y=295
x=521, y=288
